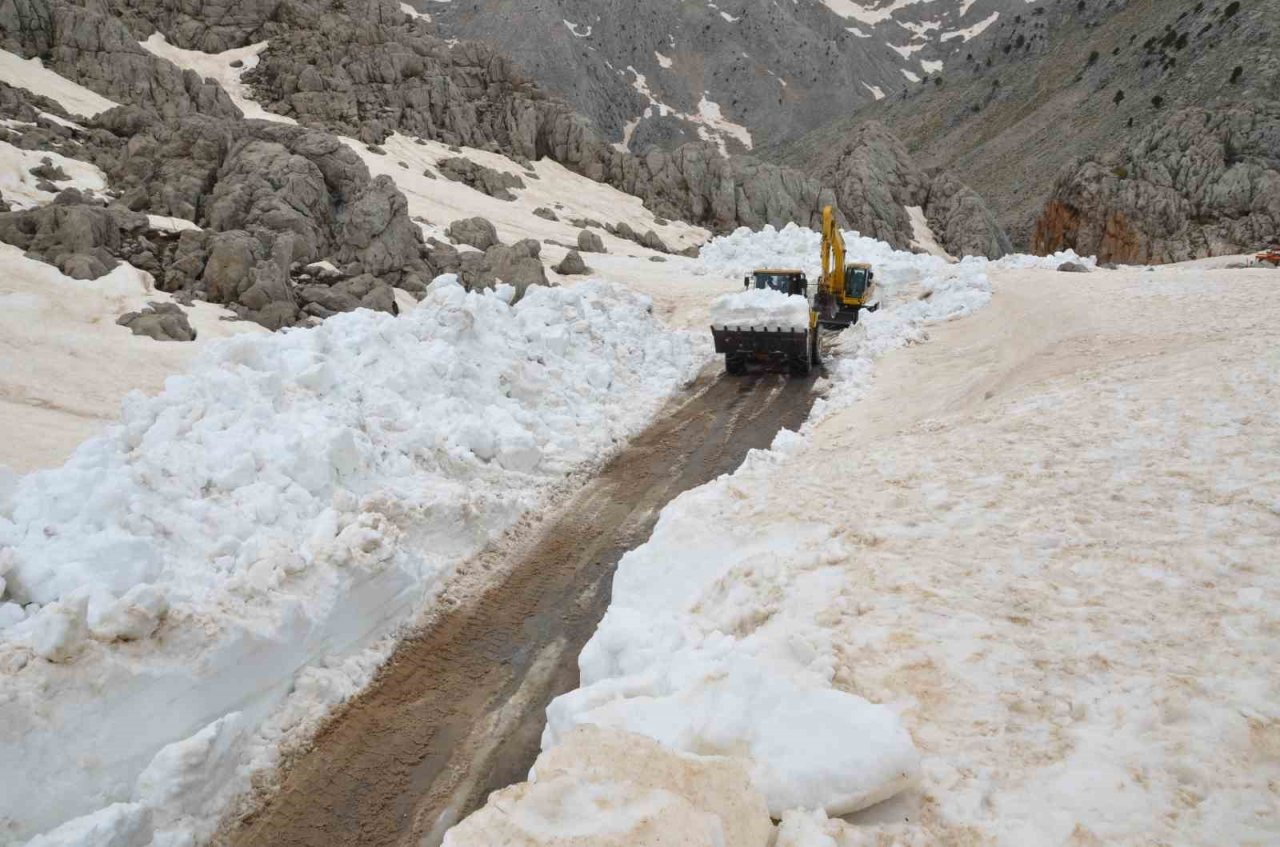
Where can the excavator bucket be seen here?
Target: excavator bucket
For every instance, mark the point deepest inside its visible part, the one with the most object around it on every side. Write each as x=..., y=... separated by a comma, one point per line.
x=772, y=348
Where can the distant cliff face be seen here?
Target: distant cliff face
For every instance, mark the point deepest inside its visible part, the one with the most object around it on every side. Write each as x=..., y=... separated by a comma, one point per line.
x=1041, y=94
x=739, y=73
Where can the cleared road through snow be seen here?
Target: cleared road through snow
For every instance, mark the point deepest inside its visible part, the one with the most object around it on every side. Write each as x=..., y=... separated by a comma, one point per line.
x=458, y=710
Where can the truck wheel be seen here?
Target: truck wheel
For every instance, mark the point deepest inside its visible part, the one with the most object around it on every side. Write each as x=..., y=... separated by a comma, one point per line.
x=801, y=367
x=815, y=355
x=735, y=366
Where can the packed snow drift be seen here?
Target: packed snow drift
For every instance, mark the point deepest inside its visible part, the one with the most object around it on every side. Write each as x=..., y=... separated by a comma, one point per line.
x=761, y=308
x=236, y=542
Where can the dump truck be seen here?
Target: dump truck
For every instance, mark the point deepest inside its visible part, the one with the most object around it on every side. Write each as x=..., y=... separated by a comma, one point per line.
x=771, y=347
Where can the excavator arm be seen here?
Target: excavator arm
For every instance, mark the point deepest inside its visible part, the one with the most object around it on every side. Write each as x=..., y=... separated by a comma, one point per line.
x=832, y=256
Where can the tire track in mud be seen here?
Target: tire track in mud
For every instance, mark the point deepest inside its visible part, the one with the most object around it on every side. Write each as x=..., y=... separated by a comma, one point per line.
x=458, y=710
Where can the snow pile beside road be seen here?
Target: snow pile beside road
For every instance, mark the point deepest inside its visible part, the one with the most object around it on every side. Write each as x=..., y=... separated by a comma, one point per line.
x=618, y=789
x=1024, y=262
x=743, y=251
x=760, y=307
x=281, y=507
x=712, y=644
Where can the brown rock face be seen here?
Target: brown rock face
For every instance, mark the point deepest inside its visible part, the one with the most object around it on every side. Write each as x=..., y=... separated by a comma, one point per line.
x=1202, y=183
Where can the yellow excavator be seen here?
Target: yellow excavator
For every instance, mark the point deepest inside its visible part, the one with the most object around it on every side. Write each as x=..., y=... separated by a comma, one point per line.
x=841, y=295
x=845, y=289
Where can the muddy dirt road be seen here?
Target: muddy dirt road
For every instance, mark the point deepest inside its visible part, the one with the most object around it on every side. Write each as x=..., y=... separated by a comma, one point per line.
x=459, y=709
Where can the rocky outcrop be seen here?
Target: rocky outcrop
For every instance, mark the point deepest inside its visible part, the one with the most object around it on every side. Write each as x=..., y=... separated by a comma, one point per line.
x=89, y=44
x=82, y=241
x=875, y=181
x=161, y=321
x=495, y=183
x=571, y=264
x=1204, y=182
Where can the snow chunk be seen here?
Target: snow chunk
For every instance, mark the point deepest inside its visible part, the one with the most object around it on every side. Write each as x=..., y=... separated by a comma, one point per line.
x=618, y=788
x=810, y=746
x=760, y=307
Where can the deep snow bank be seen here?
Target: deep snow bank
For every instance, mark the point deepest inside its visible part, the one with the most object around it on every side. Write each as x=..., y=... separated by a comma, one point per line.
x=744, y=250
x=760, y=307
x=237, y=540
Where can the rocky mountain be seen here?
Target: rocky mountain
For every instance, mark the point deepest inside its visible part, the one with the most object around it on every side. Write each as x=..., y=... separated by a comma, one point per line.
x=739, y=73
x=1150, y=121
x=268, y=199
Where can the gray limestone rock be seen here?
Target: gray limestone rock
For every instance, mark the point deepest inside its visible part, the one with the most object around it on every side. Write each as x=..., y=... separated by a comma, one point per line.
x=81, y=240
x=488, y=181
x=590, y=242
x=571, y=264
x=1202, y=182
x=161, y=321
x=477, y=232
x=875, y=182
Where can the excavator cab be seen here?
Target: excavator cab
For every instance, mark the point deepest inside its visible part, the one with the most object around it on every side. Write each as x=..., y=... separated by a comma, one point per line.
x=786, y=281
x=857, y=280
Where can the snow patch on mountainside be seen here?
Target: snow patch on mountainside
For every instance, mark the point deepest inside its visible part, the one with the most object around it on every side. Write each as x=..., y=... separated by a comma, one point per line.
x=21, y=188
x=218, y=66
x=32, y=75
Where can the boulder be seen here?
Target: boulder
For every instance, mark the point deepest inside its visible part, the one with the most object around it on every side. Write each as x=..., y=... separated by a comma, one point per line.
x=161, y=321
x=590, y=242
x=1073, y=268
x=476, y=232
x=571, y=264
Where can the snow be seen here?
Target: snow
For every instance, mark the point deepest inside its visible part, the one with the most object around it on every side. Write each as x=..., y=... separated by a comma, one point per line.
x=414, y=13
x=32, y=75
x=712, y=124
x=18, y=185
x=164, y=223
x=931, y=67
x=974, y=31
x=217, y=66
x=922, y=234
x=1022, y=261
x=717, y=126
x=573, y=28
x=440, y=201
x=264, y=524
x=875, y=90
x=760, y=307
x=617, y=788
x=1051, y=566
x=911, y=77
x=65, y=365
x=710, y=643
x=664, y=61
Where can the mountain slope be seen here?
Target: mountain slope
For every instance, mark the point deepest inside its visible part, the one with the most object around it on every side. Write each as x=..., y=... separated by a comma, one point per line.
x=1061, y=81
x=742, y=73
